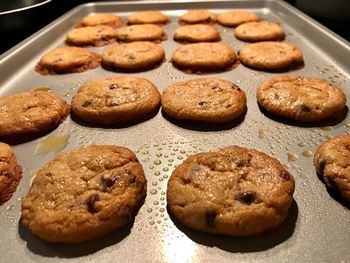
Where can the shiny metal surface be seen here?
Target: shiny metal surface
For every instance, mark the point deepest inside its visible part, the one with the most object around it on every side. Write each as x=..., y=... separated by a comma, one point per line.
x=317, y=229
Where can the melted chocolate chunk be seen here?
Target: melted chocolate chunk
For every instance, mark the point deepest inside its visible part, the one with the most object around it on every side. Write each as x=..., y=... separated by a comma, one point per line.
x=87, y=103
x=241, y=163
x=108, y=181
x=113, y=86
x=305, y=108
x=246, y=197
x=132, y=179
x=90, y=203
x=210, y=217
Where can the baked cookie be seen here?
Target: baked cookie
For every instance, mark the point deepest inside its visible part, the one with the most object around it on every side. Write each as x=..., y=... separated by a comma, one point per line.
x=10, y=173
x=300, y=98
x=143, y=32
x=84, y=194
x=234, y=191
x=259, y=31
x=198, y=17
x=99, y=19
x=204, y=99
x=147, y=17
x=235, y=18
x=197, y=33
x=135, y=56
x=204, y=57
x=115, y=99
x=332, y=162
x=271, y=56
x=91, y=36
x=67, y=60
x=31, y=112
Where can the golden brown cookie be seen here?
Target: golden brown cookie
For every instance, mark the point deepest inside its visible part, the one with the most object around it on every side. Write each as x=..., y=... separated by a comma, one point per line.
x=10, y=173
x=332, y=162
x=271, y=56
x=115, y=99
x=235, y=18
x=233, y=191
x=259, y=31
x=91, y=36
x=204, y=99
x=84, y=194
x=67, y=60
x=147, y=17
x=143, y=32
x=99, y=19
x=31, y=112
x=204, y=57
x=197, y=33
x=300, y=98
x=135, y=56
x=198, y=17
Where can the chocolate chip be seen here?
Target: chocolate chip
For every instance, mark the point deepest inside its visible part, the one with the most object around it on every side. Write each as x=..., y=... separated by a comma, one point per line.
x=241, y=163
x=108, y=181
x=90, y=203
x=113, y=86
x=131, y=57
x=186, y=181
x=305, y=108
x=246, y=197
x=87, y=103
x=285, y=175
x=132, y=179
x=6, y=174
x=210, y=217
x=235, y=87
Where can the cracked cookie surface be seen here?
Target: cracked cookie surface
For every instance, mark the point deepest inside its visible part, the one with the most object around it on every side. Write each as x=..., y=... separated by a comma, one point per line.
x=67, y=60
x=259, y=31
x=198, y=17
x=10, y=172
x=135, y=56
x=147, y=17
x=204, y=99
x=115, y=99
x=196, y=33
x=91, y=36
x=332, y=162
x=144, y=32
x=269, y=55
x=84, y=194
x=99, y=19
x=234, y=191
x=235, y=18
x=204, y=57
x=301, y=98
x=31, y=112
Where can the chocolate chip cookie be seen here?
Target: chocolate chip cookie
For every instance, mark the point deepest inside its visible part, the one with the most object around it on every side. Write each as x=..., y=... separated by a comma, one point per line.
x=233, y=191
x=91, y=36
x=300, y=98
x=204, y=99
x=196, y=33
x=144, y=32
x=67, y=60
x=135, y=56
x=32, y=112
x=147, y=17
x=259, y=31
x=99, y=19
x=332, y=162
x=271, y=56
x=204, y=57
x=115, y=99
x=198, y=17
x=10, y=173
x=84, y=194
x=235, y=18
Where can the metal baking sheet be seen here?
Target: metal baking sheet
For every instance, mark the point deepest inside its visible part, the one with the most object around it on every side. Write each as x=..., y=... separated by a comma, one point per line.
x=317, y=229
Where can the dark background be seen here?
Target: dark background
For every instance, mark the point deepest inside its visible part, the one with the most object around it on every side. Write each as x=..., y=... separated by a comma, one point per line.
x=16, y=27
